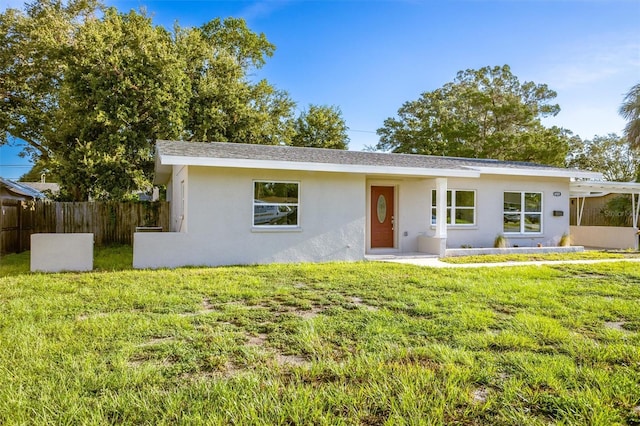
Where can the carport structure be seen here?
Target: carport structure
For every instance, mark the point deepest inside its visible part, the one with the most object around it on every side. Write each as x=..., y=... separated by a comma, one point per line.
x=605, y=236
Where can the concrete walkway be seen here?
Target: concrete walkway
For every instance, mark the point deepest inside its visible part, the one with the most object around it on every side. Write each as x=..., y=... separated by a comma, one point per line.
x=434, y=262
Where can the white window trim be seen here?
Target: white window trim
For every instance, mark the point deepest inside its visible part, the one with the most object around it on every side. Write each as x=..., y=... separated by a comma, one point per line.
x=524, y=212
x=453, y=209
x=274, y=228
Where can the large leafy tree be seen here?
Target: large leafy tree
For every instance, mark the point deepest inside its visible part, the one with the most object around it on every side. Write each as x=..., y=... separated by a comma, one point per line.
x=630, y=110
x=125, y=86
x=485, y=113
x=224, y=105
x=90, y=95
x=610, y=155
x=34, y=48
x=321, y=126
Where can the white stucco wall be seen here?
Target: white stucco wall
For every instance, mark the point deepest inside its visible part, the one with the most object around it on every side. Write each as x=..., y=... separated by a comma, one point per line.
x=215, y=224
x=178, y=195
x=489, y=210
x=413, y=210
x=611, y=237
x=61, y=252
x=219, y=209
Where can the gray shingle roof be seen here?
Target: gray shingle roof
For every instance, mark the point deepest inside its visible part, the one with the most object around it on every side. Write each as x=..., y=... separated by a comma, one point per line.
x=331, y=156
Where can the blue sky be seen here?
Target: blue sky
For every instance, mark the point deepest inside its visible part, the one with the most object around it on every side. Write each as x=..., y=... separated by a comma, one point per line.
x=369, y=57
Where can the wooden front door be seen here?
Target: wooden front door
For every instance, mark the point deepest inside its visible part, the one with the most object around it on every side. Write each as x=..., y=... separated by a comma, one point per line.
x=382, y=216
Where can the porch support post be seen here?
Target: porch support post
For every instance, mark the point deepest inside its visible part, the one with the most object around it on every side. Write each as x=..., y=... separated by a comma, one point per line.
x=441, y=208
x=635, y=209
x=581, y=207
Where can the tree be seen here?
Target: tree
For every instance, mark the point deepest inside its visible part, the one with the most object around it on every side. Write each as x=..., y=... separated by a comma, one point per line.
x=91, y=95
x=321, y=127
x=630, y=110
x=34, y=46
x=124, y=87
x=224, y=105
x=485, y=113
x=610, y=155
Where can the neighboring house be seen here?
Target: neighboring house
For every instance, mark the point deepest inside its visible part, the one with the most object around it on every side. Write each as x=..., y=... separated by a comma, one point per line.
x=10, y=190
x=47, y=188
x=245, y=204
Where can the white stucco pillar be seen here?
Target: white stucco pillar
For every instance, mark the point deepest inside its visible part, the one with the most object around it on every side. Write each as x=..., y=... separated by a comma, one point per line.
x=441, y=208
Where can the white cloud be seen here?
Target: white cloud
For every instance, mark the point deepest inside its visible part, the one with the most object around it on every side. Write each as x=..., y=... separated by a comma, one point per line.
x=594, y=60
x=262, y=9
x=591, y=77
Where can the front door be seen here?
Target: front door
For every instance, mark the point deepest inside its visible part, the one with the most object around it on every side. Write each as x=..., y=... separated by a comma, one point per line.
x=382, y=216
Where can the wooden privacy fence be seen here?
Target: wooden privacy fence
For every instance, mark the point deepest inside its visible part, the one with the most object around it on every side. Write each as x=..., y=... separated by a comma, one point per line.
x=110, y=222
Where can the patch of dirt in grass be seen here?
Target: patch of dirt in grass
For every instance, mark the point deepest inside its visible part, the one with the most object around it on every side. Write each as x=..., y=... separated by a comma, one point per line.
x=479, y=395
x=360, y=303
x=309, y=314
x=616, y=325
x=228, y=371
x=260, y=340
x=503, y=309
x=84, y=317
x=207, y=308
x=139, y=360
x=292, y=360
x=636, y=410
x=157, y=341
x=257, y=341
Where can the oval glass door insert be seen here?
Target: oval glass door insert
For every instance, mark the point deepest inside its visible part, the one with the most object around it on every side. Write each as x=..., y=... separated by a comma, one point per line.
x=382, y=209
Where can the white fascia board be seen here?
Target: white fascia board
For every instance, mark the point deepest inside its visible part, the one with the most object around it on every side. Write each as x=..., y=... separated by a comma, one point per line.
x=568, y=173
x=603, y=188
x=314, y=167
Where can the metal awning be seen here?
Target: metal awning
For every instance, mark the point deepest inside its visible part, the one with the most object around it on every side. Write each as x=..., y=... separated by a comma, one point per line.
x=600, y=188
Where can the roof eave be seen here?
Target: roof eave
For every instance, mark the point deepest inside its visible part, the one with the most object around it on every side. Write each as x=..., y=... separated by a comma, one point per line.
x=169, y=160
x=555, y=173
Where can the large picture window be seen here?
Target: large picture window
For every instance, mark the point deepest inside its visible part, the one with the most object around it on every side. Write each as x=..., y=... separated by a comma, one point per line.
x=275, y=203
x=461, y=207
x=522, y=212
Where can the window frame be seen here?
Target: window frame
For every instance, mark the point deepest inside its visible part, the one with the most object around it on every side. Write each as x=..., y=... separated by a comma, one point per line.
x=452, y=209
x=254, y=204
x=523, y=212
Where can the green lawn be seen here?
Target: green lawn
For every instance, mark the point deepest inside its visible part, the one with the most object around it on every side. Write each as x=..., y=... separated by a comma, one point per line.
x=339, y=343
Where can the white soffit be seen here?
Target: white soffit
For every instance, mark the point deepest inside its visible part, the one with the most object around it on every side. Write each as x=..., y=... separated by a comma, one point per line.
x=586, y=188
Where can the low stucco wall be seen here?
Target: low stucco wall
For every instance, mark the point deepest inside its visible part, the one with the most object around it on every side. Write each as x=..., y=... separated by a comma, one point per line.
x=61, y=252
x=611, y=237
x=161, y=250
x=512, y=250
x=432, y=245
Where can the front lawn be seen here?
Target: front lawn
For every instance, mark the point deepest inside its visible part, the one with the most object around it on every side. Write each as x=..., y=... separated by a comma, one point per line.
x=338, y=343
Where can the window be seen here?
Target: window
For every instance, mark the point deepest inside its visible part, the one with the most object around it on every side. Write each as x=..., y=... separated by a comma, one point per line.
x=522, y=212
x=461, y=206
x=275, y=204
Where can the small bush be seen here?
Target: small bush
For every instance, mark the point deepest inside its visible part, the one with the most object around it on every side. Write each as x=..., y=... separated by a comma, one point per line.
x=500, y=242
